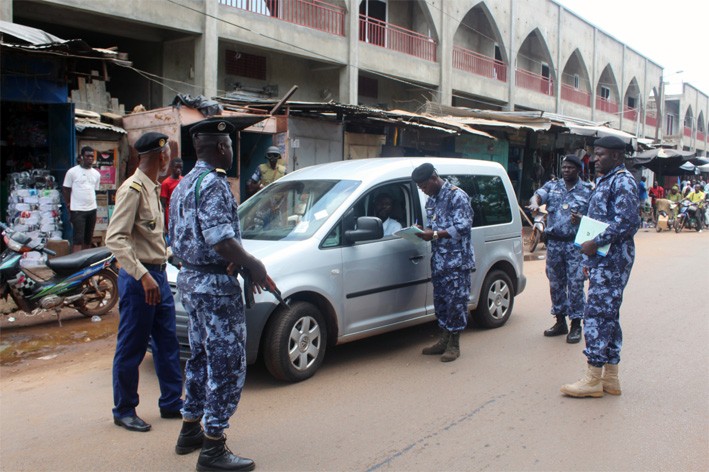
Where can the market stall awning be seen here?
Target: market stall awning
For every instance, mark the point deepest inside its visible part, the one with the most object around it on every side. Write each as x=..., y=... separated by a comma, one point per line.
x=600, y=132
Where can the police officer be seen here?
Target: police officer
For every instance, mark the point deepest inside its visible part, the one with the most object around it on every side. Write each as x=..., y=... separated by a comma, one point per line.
x=566, y=201
x=268, y=172
x=204, y=228
x=147, y=309
x=614, y=201
x=450, y=220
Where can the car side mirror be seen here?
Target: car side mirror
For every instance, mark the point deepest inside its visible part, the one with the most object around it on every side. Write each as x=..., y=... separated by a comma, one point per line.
x=368, y=228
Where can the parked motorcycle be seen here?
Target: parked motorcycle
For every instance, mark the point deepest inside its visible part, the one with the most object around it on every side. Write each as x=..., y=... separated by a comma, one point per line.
x=539, y=224
x=85, y=280
x=689, y=217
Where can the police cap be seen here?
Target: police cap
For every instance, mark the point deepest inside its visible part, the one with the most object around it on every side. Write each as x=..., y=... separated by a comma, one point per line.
x=610, y=142
x=422, y=173
x=212, y=127
x=150, y=141
x=572, y=159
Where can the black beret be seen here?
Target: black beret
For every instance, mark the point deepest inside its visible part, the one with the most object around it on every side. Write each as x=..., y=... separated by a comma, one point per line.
x=422, y=173
x=573, y=159
x=150, y=141
x=610, y=142
x=213, y=127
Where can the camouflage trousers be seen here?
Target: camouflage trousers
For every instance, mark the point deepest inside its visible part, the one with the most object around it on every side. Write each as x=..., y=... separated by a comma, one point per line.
x=566, y=279
x=601, y=325
x=216, y=371
x=451, y=291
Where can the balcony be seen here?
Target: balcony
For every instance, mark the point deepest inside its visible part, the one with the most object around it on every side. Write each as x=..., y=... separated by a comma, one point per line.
x=476, y=63
x=313, y=14
x=573, y=95
x=630, y=113
x=688, y=131
x=607, y=105
x=701, y=136
x=396, y=38
x=531, y=81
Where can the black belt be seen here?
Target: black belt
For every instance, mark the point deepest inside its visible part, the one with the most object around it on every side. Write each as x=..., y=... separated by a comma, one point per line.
x=155, y=267
x=218, y=269
x=554, y=237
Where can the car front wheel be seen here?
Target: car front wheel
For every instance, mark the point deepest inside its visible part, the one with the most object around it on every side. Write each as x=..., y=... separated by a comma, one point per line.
x=295, y=342
x=496, y=300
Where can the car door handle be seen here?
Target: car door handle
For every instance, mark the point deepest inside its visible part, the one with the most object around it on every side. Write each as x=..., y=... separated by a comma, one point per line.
x=416, y=259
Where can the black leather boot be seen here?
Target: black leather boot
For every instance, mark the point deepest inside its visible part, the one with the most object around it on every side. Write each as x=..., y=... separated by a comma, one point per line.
x=216, y=456
x=440, y=346
x=559, y=327
x=575, y=332
x=453, y=348
x=191, y=437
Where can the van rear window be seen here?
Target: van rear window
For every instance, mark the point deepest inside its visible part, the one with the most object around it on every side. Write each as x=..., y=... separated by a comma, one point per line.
x=487, y=197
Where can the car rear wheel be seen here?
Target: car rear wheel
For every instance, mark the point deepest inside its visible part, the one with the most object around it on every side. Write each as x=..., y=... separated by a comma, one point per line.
x=496, y=300
x=295, y=342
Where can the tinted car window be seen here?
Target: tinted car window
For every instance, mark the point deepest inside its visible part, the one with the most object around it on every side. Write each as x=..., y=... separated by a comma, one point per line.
x=487, y=197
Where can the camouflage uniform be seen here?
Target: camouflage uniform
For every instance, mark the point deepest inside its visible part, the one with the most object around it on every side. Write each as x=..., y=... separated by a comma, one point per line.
x=452, y=259
x=215, y=373
x=563, y=258
x=614, y=201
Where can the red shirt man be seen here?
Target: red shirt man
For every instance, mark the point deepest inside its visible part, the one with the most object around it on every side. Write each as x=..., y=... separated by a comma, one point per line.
x=656, y=192
x=168, y=185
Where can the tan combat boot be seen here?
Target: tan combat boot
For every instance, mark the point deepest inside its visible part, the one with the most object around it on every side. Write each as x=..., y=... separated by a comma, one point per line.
x=610, y=381
x=589, y=386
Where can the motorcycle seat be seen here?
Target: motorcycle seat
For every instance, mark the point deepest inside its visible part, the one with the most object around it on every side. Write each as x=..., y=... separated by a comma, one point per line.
x=78, y=260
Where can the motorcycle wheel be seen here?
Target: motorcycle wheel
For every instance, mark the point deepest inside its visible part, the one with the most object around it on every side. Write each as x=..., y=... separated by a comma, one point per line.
x=536, y=236
x=101, y=294
x=679, y=224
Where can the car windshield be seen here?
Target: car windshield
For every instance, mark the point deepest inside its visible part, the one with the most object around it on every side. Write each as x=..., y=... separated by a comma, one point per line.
x=292, y=210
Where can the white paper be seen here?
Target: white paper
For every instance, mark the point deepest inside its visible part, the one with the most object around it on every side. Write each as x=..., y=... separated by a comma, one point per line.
x=410, y=234
x=589, y=229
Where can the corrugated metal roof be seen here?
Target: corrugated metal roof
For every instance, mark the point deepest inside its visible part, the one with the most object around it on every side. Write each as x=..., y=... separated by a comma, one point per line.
x=86, y=123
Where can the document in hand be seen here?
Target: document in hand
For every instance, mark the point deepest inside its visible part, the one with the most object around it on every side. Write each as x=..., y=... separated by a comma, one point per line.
x=589, y=229
x=410, y=234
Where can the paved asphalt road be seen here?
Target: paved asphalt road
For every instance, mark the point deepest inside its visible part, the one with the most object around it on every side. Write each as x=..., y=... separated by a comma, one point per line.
x=379, y=405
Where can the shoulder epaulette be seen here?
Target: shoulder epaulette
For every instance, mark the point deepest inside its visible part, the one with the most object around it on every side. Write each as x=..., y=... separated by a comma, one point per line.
x=220, y=172
x=137, y=186
x=453, y=187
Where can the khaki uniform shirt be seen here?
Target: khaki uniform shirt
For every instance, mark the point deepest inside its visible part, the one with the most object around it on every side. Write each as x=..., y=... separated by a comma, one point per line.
x=135, y=232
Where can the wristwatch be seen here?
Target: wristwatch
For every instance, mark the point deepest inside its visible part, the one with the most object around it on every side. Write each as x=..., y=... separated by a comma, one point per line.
x=435, y=235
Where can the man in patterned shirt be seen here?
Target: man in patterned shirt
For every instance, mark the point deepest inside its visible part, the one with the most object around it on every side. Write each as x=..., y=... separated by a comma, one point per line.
x=566, y=201
x=614, y=201
x=450, y=220
x=204, y=229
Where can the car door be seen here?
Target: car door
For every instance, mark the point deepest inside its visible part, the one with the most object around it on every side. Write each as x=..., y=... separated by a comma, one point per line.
x=385, y=280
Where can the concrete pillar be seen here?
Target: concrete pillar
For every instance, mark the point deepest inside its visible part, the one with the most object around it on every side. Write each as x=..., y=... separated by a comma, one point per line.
x=6, y=10
x=350, y=73
x=559, y=69
x=206, y=52
x=445, y=58
x=511, y=72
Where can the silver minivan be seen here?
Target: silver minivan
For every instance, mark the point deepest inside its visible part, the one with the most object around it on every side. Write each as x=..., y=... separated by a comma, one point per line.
x=343, y=279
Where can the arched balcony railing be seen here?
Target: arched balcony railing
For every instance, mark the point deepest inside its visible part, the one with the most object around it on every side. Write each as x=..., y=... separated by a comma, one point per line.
x=396, y=38
x=531, y=81
x=573, y=95
x=476, y=63
x=314, y=14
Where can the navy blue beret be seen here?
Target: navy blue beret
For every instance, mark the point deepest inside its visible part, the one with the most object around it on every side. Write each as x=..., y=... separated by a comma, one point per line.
x=573, y=159
x=150, y=141
x=213, y=127
x=610, y=142
x=422, y=173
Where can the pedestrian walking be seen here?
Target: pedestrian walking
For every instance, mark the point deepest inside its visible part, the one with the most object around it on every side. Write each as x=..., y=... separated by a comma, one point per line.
x=450, y=221
x=614, y=202
x=204, y=229
x=147, y=309
x=566, y=201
